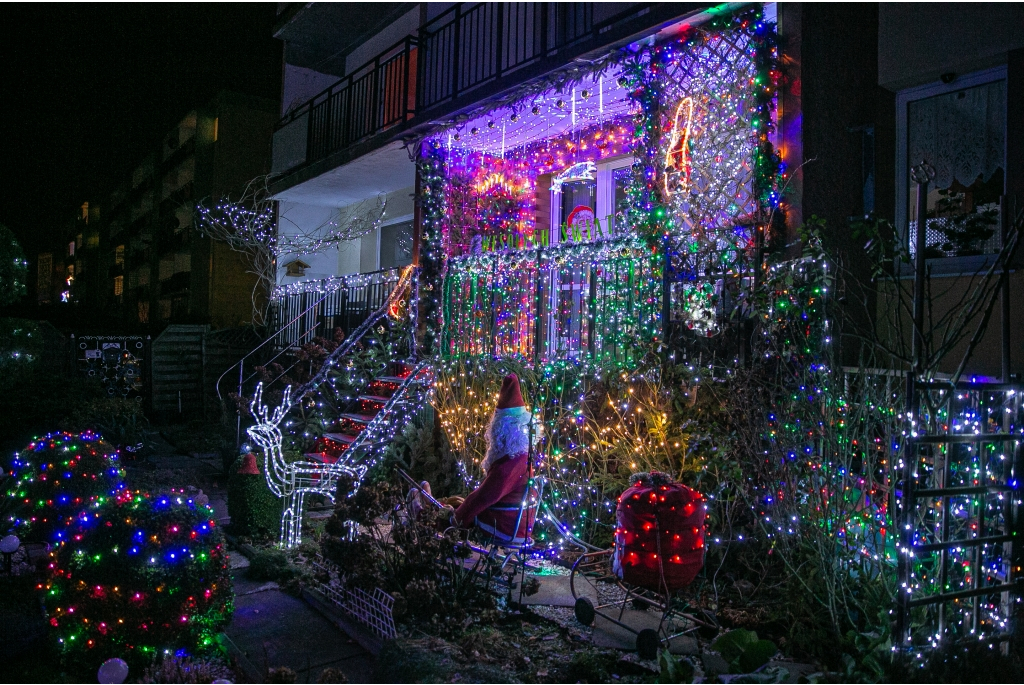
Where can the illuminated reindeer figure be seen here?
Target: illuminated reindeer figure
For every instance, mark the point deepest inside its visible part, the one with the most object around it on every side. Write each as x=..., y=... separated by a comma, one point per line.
x=292, y=480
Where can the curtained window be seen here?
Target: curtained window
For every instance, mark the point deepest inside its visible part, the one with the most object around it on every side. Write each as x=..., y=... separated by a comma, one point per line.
x=961, y=132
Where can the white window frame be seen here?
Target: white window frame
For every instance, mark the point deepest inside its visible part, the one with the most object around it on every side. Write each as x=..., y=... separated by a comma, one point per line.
x=390, y=222
x=903, y=100
x=606, y=191
x=604, y=198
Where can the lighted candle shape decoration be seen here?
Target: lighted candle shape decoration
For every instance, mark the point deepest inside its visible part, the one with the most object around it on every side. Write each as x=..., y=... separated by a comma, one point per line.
x=677, y=158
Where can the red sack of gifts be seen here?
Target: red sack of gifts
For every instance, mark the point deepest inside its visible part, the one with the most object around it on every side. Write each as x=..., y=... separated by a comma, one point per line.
x=659, y=533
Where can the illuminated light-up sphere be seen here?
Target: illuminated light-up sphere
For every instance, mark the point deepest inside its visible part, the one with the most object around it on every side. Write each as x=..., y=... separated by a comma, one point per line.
x=57, y=476
x=659, y=533
x=700, y=303
x=138, y=577
x=114, y=671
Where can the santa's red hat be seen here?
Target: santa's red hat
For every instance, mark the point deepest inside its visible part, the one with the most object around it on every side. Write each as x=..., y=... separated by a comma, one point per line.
x=508, y=432
x=510, y=396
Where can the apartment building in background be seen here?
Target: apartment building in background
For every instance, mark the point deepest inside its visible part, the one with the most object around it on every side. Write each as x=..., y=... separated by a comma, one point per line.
x=157, y=268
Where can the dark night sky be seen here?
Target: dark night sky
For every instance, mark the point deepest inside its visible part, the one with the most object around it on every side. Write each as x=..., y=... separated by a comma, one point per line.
x=91, y=88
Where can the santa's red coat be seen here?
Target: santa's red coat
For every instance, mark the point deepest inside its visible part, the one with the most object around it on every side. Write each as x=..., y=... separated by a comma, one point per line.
x=494, y=507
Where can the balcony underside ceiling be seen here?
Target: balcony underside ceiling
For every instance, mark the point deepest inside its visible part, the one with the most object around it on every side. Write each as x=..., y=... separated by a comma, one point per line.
x=383, y=171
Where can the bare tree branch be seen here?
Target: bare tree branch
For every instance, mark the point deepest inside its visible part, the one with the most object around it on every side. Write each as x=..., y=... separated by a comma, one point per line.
x=251, y=226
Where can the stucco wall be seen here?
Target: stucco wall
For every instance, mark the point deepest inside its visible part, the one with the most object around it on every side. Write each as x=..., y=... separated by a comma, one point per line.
x=301, y=84
x=947, y=292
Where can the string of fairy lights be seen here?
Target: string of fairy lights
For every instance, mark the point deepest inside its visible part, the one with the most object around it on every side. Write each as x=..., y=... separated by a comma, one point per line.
x=508, y=282
x=56, y=476
x=139, y=576
x=129, y=573
x=552, y=299
x=986, y=514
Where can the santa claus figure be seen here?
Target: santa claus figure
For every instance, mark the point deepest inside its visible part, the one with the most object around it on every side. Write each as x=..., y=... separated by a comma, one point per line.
x=501, y=506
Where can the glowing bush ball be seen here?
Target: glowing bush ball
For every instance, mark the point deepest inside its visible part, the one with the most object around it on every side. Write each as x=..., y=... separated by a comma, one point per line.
x=55, y=478
x=659, y=539
x=139, y=576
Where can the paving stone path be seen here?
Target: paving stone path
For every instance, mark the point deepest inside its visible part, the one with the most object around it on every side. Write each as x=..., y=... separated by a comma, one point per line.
x=271, y=629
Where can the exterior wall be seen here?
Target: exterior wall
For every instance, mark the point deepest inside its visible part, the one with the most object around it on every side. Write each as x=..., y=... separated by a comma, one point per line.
x=918, y=42
x=301, y=84
x=356, y=256
x=241, y=151
x=396, y=31
x=987, y=358
x=840, y=97
x=916, y=47
x=214, y=151
x=233, y=147
x=230, y=289
x=436, y=9
x=295, y=217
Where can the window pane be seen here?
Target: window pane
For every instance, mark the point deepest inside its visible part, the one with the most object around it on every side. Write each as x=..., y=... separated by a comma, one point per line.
x=396, y=245
x=962, y=135
x=621, y=178
x=577, y=198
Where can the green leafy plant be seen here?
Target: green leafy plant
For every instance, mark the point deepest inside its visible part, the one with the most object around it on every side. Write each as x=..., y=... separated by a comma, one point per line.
x=119, y=420
x=13, y=268
x=743, y=651
x=138, y=577
x=673, y=670
x=408, y=558
x=53, y=479
x=271, y=564
x=255, y=511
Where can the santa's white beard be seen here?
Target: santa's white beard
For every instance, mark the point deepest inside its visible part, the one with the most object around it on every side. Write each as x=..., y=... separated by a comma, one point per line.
x=508, y=434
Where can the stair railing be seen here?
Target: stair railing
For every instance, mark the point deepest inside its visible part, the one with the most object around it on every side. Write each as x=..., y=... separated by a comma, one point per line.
x=243, y=379
x=271, y=338
x=292, y=480
x=397, y=410
x=348, y=343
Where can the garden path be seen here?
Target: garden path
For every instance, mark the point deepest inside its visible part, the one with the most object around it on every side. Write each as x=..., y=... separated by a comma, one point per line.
x=271, y=629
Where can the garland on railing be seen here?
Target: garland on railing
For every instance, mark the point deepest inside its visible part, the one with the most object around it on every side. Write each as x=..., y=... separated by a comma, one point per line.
x=334, y=283
x=492, y=306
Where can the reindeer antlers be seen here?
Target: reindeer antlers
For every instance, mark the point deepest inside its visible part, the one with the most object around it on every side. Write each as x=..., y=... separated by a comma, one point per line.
x=260, y=410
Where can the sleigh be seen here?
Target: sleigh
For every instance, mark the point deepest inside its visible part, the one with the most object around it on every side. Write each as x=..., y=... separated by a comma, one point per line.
x=658, y=554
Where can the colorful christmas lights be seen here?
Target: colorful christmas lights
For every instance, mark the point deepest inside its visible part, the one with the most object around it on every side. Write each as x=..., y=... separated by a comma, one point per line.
x=138, y=576
x=57, y=476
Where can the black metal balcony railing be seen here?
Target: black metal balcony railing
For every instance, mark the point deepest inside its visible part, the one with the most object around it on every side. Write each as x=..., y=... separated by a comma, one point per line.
x=371, y=99
x=470, y=50
x=467, y=47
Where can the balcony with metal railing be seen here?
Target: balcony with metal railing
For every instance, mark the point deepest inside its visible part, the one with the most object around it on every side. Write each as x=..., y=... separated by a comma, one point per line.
x=472, y=52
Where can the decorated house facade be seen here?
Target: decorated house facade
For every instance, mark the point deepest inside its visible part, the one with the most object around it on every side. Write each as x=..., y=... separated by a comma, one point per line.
x=579, y=218
x=523, y=181
x=550, y=102
x=595, y=195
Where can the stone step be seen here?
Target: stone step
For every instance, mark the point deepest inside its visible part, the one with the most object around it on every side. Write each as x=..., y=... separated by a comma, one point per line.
x=343, y=438
x=359, y=418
